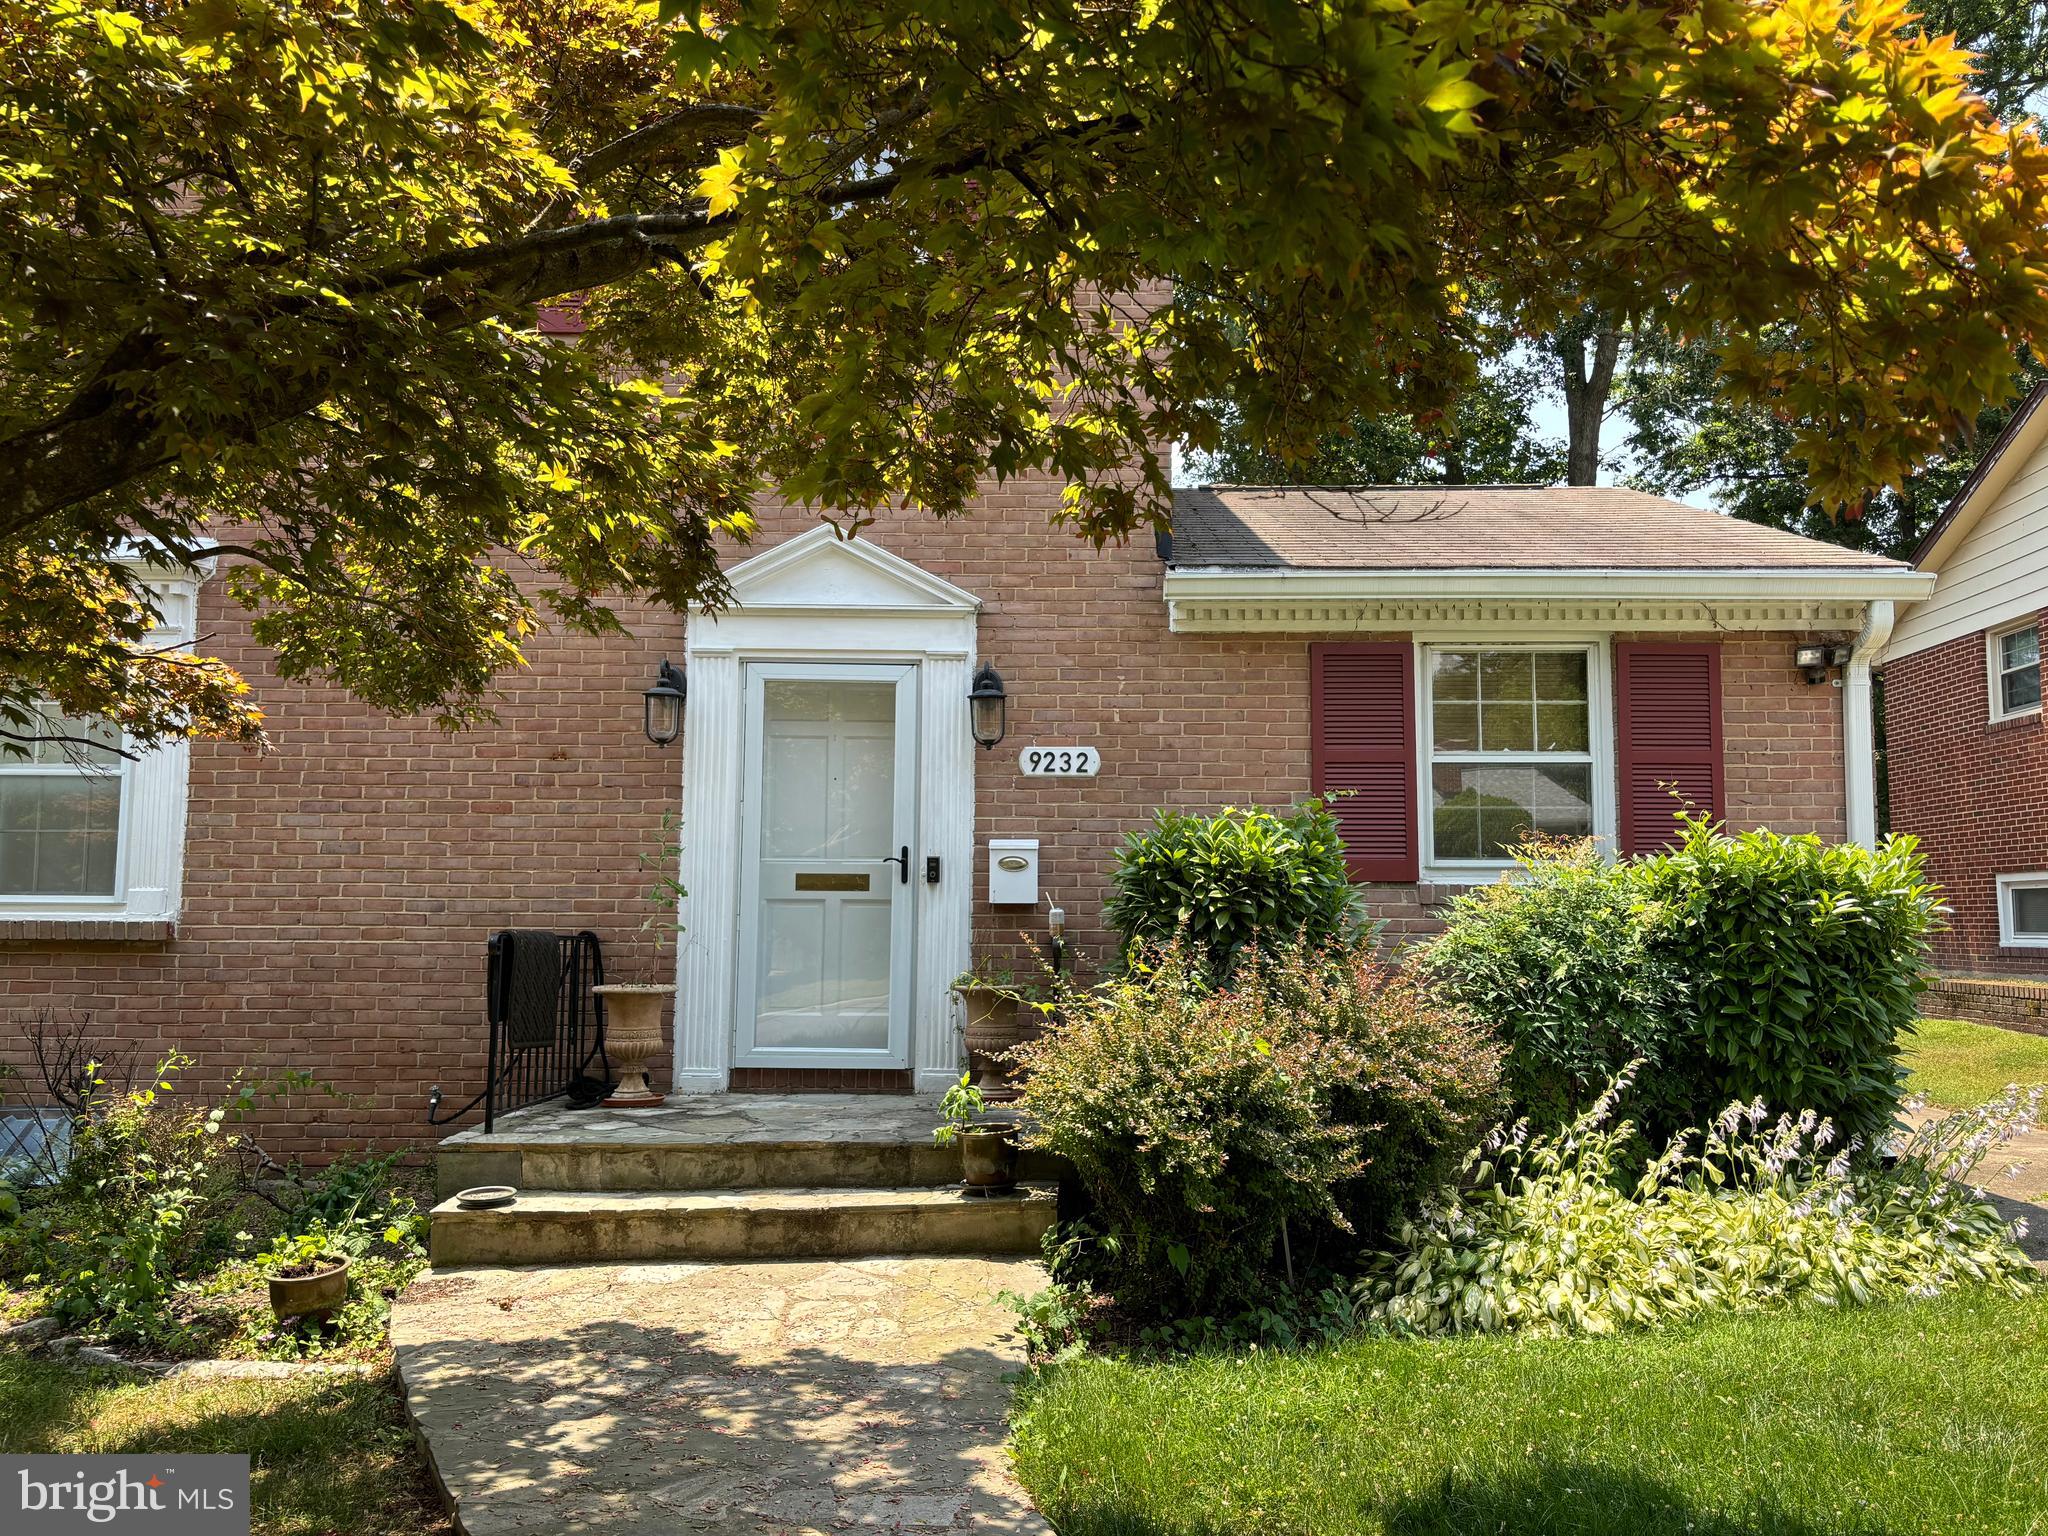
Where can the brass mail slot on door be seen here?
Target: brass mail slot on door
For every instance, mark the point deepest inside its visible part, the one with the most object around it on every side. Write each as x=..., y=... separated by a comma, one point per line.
x=828, y=882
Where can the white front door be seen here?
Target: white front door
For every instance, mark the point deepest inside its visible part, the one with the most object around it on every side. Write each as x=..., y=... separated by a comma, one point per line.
x=828, y=804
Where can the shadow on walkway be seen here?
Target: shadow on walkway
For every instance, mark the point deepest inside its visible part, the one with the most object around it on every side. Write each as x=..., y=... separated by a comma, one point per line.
x=733, y=1397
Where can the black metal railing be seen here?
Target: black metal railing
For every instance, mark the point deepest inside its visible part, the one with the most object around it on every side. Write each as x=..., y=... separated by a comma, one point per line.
x=546, y=1027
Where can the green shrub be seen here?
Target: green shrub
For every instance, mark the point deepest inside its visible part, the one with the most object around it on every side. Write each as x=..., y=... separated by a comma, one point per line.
x=1234, y=880
x=1805, y=962
x=1309, y=1095
x=1735, y=967
x=149, y=1190
x=1547, y=1238
x=1563, y=961
x=138, y=1234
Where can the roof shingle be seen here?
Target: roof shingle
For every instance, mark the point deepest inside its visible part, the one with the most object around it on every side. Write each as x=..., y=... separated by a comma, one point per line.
x=1490, y=527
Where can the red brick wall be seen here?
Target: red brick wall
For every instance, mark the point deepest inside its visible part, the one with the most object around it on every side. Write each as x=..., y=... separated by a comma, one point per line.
x=1975, y=793
x=338, y=892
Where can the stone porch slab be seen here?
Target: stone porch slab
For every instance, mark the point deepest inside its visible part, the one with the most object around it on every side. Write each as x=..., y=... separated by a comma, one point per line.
x=748, y=1398
x=720, y=1119
x=712, y=1141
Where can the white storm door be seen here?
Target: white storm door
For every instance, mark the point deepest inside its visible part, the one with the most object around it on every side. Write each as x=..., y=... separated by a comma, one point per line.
x=829, y=800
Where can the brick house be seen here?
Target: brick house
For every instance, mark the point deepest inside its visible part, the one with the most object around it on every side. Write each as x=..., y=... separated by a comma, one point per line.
x=1462, y=662
x=1966, y=748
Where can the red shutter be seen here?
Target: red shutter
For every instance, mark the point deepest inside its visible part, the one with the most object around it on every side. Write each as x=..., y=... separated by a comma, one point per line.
x=1669, y=700
x=1362, y=709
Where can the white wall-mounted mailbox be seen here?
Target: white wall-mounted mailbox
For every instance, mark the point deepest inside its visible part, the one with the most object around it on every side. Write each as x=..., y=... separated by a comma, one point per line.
x=1013, y=871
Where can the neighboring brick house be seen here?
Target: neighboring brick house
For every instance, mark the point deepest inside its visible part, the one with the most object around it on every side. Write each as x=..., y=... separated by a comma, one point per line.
x=1465, y=661
x=1966, y=747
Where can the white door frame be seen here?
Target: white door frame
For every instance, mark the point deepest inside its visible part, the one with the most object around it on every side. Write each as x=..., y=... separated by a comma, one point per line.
x=894, y=1053
x=818, y=598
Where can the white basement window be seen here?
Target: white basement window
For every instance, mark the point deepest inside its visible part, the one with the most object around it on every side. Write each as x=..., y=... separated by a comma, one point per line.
x=1514, y=744
x=2023, y=911
x=2016, y=671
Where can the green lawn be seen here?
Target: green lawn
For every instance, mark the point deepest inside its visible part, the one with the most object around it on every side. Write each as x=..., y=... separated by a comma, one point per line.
x=1921, y=1418
x=1959, y=1065
x=326, y=1456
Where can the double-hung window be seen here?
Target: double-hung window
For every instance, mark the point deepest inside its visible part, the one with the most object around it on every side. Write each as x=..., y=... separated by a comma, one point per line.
x=88, y=833
x=1511, y=749
x=2016, y=671
x=61, y=814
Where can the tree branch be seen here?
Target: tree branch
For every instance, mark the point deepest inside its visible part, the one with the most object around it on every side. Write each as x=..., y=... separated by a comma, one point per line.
x=682, y=124
x=108, y=434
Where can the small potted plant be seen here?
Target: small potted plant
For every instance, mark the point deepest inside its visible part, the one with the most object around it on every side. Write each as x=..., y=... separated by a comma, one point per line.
x=988, y=1150
x=308, y=1277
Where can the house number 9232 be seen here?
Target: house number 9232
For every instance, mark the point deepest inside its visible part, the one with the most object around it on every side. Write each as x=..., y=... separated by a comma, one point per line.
x=1052, y=762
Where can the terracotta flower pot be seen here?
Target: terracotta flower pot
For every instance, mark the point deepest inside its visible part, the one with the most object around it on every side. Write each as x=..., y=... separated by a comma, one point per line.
x=632, y=1036
x=313, y=1295
x=988, y=1158
x=992, y=1027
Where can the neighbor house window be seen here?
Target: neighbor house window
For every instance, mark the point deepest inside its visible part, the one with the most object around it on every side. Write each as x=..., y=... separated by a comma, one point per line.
x=2016, y=671
x=1510, y=750
x=2023, y=911
x=61, y=812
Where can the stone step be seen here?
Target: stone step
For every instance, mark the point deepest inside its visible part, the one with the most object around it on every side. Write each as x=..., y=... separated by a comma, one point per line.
x=700, y=1165
x=553, y=1226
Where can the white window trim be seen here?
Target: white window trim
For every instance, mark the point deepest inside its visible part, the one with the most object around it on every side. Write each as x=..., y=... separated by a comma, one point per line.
x=149, y=861
x=1600, y=711
x=2007, y=937
x=1994, y=673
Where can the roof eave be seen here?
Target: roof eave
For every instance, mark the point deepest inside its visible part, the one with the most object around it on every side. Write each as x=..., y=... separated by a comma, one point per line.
x=2016, y=445
x=1572, y=584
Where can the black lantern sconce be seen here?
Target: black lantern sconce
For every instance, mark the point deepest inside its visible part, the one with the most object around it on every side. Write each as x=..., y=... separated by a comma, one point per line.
x=665, y=704
x=988, y=707
x=1816, y=660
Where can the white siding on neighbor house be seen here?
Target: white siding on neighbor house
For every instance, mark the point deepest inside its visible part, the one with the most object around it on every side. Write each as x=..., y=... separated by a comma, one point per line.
x=1999, y=573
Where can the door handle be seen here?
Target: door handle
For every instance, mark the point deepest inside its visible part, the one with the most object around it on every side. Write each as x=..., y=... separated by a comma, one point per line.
x=902, y=863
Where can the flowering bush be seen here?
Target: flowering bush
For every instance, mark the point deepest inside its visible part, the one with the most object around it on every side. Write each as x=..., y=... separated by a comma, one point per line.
x=1549, y=1239
x=1311, y=1096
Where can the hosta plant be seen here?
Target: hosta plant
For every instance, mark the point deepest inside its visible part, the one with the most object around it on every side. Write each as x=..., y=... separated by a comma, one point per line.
x=1548, y=1237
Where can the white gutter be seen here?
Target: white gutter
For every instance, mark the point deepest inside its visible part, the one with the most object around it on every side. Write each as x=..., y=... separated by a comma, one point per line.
x=1576, y=584
x=1859, y=739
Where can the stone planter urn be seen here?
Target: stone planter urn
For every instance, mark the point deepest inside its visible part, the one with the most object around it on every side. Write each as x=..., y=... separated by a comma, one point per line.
x=632, y=1036
x=992, y=1027
x=311, y=1295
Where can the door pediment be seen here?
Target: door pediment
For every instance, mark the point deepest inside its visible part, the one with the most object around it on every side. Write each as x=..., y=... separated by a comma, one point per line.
x=819, y=572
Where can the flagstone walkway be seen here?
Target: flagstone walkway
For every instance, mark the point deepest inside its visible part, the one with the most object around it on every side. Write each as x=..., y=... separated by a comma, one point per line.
x=782, y=1398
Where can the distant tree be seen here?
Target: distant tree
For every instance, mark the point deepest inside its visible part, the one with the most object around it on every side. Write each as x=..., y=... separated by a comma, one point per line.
x=1487, y=436
x=1683, y=440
